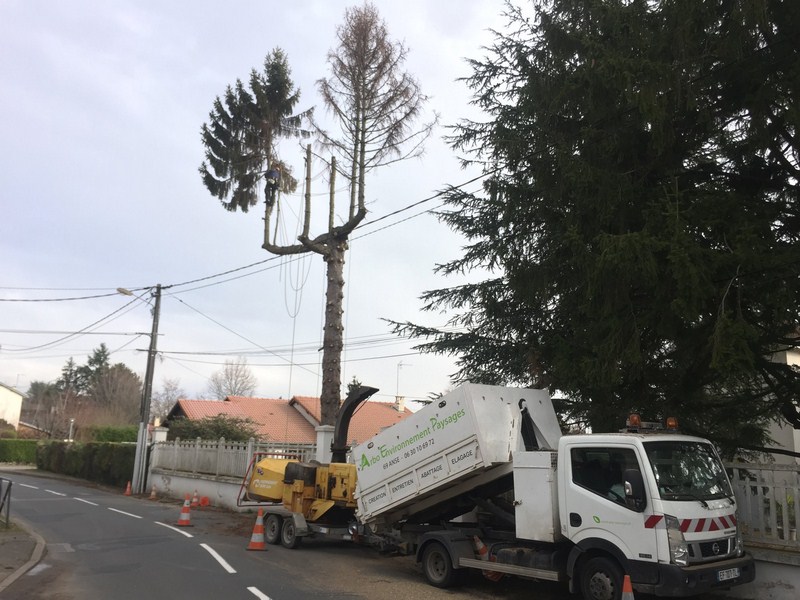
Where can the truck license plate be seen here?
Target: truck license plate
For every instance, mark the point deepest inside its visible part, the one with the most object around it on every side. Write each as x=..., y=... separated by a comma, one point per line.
x=726, y=574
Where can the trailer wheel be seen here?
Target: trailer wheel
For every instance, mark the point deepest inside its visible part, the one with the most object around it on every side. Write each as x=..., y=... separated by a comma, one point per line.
x=438, y=567
x=601, y=579
x=289, y=537
x=272, y=529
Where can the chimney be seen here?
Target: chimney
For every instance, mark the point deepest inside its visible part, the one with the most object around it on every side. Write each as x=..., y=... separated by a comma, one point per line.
x=399, y=403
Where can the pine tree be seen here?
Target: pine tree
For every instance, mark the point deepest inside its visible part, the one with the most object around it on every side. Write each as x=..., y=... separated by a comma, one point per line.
x=375, y=105
x=640, y=215
x=241, y=136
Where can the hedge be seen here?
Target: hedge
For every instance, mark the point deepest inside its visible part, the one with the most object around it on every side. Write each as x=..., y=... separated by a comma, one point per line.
x=17, y=451
x=103, y=462
x=110, y=434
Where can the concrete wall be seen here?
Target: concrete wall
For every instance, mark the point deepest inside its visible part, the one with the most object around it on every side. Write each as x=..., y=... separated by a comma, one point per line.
x=220, y=491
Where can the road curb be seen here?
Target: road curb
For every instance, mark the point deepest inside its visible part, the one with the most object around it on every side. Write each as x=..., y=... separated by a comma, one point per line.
x=36, y=555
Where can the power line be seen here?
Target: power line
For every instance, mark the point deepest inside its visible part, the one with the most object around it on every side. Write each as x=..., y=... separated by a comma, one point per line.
x=53, y=332
x=58, y=299
x=243, y=267
x=171, y=355
x=69, y=336
x=237, y=334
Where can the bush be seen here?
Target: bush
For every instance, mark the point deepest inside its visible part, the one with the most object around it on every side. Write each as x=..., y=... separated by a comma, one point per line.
x=233, y=429
x=127, y=433
x=103, y=462
x=7, y=430
x=17, y=451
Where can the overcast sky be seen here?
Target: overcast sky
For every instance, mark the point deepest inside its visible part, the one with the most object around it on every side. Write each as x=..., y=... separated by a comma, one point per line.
x=101, y=105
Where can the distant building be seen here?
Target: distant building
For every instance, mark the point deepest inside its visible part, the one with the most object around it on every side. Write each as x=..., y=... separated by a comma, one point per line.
x=294, y=420
x=10, y=405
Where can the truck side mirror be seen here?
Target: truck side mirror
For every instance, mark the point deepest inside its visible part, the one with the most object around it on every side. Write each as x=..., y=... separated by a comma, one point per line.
x=635, y=498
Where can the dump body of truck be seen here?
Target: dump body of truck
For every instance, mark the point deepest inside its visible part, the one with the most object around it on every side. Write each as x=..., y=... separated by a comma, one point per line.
x=460, y=441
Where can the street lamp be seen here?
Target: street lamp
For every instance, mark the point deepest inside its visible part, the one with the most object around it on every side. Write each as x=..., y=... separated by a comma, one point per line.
x=140, y=461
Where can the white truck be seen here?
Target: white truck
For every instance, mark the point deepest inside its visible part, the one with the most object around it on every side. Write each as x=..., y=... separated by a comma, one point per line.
x=483, y=479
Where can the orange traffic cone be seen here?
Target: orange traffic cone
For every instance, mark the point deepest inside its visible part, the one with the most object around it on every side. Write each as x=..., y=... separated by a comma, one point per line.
x=195, y=500
x=627, y=589
x=153, y=493
x=483, y=553
x=185, y=518
x=128, y=489
x=257, y=539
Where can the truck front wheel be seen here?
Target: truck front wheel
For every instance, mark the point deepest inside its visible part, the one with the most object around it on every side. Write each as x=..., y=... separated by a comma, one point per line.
x=272, y=529
x=289, y=537
x=437, y=566
x=601, y=579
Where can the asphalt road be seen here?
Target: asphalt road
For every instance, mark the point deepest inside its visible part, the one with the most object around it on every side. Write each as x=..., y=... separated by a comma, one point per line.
x=107, y=545
x=102, y=544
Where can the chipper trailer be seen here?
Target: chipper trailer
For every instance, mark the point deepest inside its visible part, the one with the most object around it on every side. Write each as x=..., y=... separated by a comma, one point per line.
x=482, y=478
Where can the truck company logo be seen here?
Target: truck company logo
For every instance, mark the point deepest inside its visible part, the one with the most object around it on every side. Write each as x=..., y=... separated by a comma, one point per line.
x=437, y=424
x=598, y=520
x=416, y=443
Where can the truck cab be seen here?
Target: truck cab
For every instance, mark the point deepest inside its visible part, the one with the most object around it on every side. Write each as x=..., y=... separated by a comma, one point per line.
x=657, y=506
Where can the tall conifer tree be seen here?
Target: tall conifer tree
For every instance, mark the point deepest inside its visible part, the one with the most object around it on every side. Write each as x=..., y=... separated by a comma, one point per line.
x=640, y=216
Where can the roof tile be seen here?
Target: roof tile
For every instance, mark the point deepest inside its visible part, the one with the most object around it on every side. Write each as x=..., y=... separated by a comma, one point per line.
x=279, y=420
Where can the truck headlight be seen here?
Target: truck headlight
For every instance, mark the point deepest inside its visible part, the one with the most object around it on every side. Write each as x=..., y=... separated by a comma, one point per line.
x=678, y=548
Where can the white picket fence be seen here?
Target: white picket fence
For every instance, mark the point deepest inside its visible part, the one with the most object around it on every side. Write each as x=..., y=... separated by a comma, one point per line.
x=220, y=457
x=766, y=494
x=767, y=497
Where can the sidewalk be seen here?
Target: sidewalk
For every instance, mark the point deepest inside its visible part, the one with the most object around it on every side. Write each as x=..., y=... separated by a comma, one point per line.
x=20, y=551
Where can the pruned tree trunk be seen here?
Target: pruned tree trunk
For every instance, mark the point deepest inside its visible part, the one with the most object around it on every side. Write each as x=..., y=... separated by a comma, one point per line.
x=333, y=333
x=332, y=246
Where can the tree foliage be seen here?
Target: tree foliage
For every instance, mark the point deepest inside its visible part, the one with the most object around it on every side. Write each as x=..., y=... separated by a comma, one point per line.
x=375, y=103
x=640, y=216
x=233, y=429
x=95, y=393
x=243, y=130
x=41, y=405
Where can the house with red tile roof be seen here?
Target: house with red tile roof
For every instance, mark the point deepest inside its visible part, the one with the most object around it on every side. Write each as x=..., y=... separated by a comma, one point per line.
x=295, y=420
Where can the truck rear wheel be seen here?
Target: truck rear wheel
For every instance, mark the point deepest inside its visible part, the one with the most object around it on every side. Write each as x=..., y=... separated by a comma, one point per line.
x=272, y=529
x=601, y=579
x=289, y=537
x=438, y=567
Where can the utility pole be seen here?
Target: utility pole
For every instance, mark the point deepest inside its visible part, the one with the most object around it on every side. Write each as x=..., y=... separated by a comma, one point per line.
x=140, y=462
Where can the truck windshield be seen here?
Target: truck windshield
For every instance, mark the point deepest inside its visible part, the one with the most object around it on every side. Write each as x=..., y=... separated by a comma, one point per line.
x=687, y=470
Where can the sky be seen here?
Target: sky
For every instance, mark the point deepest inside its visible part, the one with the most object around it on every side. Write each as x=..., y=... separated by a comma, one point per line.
x=101, y=105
